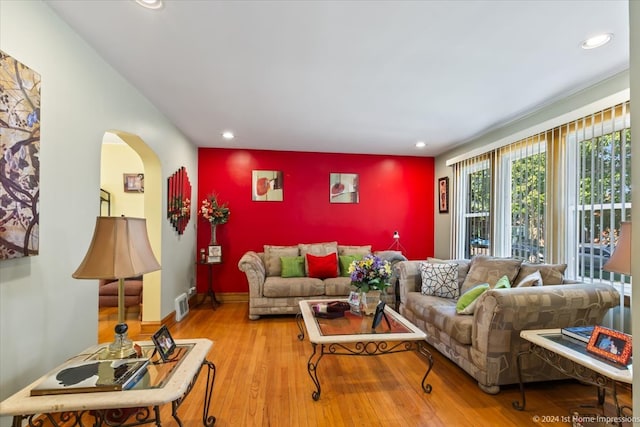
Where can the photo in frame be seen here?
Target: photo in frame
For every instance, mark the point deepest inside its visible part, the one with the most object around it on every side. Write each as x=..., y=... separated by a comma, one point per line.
x=133, y=182
x=443, y=194
x=610, y=344
x=164, y=342
x=214, y=253
x=343, y=188
x=267, y=186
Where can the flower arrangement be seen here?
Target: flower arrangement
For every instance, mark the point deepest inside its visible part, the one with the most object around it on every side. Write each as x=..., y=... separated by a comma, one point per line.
x=370, y=273
x=213, y=211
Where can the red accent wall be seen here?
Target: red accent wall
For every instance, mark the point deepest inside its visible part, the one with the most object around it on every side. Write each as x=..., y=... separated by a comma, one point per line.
x=396, y=193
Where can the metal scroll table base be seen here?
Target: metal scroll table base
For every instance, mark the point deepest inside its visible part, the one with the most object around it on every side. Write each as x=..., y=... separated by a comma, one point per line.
x=371, y=348
x=572, y=369
x=126, y=417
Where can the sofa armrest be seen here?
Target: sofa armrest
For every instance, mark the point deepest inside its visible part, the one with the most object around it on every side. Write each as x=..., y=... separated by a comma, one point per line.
x=409, y=278
x=252, y=265
x=501, y=314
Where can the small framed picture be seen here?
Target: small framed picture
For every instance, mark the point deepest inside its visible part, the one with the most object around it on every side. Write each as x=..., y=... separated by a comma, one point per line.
x=443, y=194
x=214, y=254
x=354, y=302
x=610, y=344
x=164, y=342
x=133, y=182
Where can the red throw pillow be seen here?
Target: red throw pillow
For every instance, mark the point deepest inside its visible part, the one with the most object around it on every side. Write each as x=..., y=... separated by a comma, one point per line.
x=322, y=267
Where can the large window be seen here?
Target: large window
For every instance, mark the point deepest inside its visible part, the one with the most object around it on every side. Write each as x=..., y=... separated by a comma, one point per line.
x=557, y=197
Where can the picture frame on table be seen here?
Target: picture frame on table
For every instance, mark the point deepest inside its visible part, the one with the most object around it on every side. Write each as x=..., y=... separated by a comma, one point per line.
x=164, y=343
x=610, y=344
x=443, y=194
x=214, y=254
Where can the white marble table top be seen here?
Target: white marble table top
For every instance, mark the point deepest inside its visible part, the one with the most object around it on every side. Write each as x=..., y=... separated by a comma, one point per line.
x=622, y=374
x=22, y=403
x=316, y=336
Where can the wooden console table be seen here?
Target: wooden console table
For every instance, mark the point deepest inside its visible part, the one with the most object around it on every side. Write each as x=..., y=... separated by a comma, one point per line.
x=571, y=358
x=164, y=382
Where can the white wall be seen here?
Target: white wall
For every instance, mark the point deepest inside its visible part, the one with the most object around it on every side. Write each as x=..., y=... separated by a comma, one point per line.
x=45, y=315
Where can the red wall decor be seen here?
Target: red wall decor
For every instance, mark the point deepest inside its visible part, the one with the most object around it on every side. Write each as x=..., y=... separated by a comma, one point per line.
x=396, y=193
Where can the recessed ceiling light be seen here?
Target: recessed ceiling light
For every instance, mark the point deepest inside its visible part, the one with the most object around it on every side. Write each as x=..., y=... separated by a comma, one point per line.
x=421, y=144
x=150, y=4
x=597, y=41
x=227, y=134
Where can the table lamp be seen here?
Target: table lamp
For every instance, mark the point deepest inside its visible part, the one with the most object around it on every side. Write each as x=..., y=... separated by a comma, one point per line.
x=119, y=249
x=620, y=261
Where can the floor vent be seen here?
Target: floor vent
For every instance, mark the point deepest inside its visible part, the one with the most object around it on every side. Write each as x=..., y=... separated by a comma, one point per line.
x=182, y=307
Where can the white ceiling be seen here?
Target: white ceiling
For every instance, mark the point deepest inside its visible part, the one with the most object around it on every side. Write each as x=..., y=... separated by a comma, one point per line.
x=352, y=76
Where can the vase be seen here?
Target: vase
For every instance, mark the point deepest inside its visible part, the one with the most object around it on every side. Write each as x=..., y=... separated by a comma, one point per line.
x=369, y=301
x=213, y=240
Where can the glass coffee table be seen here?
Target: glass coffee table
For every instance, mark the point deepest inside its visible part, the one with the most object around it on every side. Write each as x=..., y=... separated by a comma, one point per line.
x=352, y=335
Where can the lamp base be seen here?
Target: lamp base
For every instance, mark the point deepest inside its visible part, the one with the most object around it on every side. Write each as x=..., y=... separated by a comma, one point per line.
x=122, y=347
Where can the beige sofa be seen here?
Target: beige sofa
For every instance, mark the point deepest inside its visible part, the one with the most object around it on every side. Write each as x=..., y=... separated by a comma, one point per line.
x=270, y=293
x=486, y=343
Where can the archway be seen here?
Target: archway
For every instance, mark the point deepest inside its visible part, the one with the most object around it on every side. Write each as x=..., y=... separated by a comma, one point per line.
x=151, y=210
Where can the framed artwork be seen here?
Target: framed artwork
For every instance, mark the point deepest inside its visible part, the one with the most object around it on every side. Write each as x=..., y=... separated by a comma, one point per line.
x=267, y=186
x=20, y=166
x=133, y=182
x=443, y=194
x=610, y=344
x=343, y=188
x=164, y=343
x=179, y=199
x=214, y=254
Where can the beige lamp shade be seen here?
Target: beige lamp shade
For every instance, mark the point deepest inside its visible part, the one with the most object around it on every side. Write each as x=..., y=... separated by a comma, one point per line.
x=620, y=261
x=120, y=248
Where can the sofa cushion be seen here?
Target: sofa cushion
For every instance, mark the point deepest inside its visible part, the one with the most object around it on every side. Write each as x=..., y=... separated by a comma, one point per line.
x=272, y=256
x=317, y=249
x=467, y=301
x=441, y=313
x=489, y=270
x=322, y=266
x=440, y=279
x=292, y=266
x=354, y=250
x=278, y=287
x=337, y=286
x=552, y=274
x=463, y=267
x=345, y=261
x=533, y=279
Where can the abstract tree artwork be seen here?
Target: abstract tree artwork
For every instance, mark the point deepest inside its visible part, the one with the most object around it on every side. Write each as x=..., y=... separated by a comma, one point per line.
x=19, y=159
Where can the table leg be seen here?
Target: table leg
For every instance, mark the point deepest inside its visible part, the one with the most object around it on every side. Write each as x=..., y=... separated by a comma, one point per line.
x=300, y=323
x=423, y=350
x=209, y=420
x=515, y=403
x=312, y=368
x=17, y=421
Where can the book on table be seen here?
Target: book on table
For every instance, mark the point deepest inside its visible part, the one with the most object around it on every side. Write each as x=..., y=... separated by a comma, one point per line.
x=93, y=376
x=580, y=333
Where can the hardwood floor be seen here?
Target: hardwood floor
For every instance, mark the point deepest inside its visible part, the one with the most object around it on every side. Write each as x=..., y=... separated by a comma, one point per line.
x=262, y=380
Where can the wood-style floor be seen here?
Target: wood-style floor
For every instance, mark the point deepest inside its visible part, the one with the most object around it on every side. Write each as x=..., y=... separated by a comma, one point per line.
x=262, y=380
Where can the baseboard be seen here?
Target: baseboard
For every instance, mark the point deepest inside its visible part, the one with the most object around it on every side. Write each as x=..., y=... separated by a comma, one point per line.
x=233, y=297
x=150, y=328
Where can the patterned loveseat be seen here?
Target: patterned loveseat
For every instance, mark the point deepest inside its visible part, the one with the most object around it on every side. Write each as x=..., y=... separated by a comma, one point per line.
x=271, y=293
x=486, y=343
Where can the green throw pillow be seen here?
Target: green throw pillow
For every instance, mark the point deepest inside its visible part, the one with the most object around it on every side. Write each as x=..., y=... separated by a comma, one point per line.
x=466, y=303
x=345, y=261
x=292, y=266
x=502, y=283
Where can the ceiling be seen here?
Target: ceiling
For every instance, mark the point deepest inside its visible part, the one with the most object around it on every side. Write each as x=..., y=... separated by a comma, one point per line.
x=352, y=76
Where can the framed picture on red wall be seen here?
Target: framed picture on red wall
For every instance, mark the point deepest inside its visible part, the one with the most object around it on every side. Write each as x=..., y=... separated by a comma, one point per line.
x=443, y=194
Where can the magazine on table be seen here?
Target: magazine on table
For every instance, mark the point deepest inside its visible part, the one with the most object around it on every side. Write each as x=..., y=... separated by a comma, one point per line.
x=580, y=333
x=93, y=376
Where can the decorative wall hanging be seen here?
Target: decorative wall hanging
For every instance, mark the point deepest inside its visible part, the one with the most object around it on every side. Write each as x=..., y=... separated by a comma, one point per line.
x=133, y=182
x=443, y=193
x=343, y=188
x=267, y=186
x=19, y=160
x=179, y=200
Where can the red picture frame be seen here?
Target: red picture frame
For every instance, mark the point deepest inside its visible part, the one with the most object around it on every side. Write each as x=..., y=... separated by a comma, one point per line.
x=610, y=344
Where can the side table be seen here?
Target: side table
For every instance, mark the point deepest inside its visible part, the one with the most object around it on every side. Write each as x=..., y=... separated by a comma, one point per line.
x=164, y=382
x=211, y=293
x=571, y=358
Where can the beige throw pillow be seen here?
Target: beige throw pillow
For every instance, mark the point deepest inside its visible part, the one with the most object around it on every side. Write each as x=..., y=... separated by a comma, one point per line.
x=552, y=274
x=272, y=255
x=489, y=270
x=533, y=279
